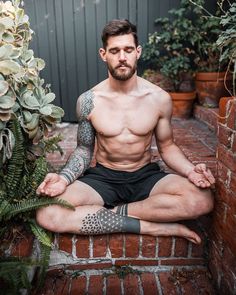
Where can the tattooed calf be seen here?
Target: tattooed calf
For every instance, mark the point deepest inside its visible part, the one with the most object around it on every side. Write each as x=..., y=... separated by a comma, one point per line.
x=105, y=221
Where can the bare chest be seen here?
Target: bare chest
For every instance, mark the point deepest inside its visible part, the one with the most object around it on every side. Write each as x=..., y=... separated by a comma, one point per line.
x=113, y=119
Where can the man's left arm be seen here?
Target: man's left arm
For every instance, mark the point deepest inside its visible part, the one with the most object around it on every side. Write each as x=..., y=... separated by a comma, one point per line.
x=173, y=156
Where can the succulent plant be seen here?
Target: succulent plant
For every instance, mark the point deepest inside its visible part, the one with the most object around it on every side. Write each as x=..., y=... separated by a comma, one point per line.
x=22, y=94
x=26, y=114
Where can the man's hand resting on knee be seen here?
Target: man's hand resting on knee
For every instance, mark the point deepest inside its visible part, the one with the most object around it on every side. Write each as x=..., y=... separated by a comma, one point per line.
x=201, y=176
x=53, y=185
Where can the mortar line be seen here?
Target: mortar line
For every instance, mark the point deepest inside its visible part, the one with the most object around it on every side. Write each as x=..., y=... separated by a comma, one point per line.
x=158, y=283
x=140, y=285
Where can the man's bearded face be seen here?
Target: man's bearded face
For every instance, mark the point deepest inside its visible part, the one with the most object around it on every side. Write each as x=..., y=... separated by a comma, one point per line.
x=123, y=71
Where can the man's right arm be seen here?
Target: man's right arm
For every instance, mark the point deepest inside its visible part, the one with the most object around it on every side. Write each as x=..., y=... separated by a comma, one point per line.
x=81, y=158
x=55, y=184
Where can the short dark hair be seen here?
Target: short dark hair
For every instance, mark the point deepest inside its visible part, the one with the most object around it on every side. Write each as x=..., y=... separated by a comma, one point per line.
x=118, y=27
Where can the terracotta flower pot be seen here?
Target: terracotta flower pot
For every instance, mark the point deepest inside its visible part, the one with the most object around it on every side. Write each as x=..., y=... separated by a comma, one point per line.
x=210, y=88
x=182, y=103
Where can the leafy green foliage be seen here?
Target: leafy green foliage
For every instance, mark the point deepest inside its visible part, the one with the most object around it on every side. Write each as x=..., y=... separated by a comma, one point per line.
x=15, y=164
x=27, y=114
x=14, y=275
x=184, y=43
x=227, y=39
x=44, y=259
x=171, y=48
x=41, y=234
x=21, y=90
x=220, y=30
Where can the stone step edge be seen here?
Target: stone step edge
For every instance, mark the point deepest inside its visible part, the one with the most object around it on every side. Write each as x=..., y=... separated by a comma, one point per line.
x=64, y=260
x=127, y=268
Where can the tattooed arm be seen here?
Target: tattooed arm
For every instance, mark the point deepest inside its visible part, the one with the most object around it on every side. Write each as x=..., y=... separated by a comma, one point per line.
x=80, y=159
x=55, y=184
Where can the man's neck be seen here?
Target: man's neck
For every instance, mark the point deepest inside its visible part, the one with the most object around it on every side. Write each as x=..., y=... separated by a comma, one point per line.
x=123, y=86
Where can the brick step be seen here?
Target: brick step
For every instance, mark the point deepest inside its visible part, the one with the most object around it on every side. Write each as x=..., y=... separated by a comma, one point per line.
x=105, y=251
x=208, y=116
x=127, y=280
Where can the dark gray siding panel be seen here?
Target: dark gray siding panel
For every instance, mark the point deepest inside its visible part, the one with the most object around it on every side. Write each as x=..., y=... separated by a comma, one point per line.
x=67, y=37
x=80, y=47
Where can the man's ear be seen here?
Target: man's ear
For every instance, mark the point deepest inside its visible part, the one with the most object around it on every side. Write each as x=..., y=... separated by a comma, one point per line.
x=102, y=53
x=139, y=51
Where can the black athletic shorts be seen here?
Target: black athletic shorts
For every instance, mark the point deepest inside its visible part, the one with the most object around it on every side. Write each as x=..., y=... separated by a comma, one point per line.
x=116, y=187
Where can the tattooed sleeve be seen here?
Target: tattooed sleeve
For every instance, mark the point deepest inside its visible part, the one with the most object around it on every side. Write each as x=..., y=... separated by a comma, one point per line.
x=80, y=159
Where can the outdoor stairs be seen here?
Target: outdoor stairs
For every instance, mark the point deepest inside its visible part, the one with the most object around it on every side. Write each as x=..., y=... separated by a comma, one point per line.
x=138, y=264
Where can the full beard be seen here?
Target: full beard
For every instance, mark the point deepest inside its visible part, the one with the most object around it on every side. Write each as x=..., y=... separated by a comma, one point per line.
x=122, y=76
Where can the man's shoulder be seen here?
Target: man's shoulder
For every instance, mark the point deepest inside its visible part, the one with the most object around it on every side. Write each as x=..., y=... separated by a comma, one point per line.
x=156, y=92
x=85, y=104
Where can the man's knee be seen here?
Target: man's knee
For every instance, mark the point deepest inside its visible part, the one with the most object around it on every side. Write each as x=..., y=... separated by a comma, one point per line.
x=48, y=218
x=200, y=202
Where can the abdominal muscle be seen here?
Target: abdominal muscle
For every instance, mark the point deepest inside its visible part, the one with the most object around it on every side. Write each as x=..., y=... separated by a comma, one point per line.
x=125, y=154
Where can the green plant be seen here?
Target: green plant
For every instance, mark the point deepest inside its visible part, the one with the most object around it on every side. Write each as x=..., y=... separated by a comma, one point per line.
x=171, y=49
x=206, y=50
x=225, y=35
x=14, y=274
x=227, y=40
x=187, y=43
x=209, y=27
x=26, y=117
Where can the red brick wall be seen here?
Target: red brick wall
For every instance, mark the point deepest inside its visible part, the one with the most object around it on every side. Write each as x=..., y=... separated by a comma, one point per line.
x=105, y=251
x=222, y=260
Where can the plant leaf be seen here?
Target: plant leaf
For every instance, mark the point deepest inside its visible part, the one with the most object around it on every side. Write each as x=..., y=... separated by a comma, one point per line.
x=8, y=67
x=34, y=122
x=47, y=110
x=3, y=87
x=38, y=63
x=6, y=102
x=57, y=112
x=8, y=37
x=48, y=98
x=7, y=22
x=31, y=101
x=5, y=51
x=41, y=234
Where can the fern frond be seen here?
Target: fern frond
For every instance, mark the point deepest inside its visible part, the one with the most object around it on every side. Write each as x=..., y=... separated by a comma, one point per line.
x=33, y=178
x=33, y=204
x=5, y=208
x=41, y=234
x=44, y=262
x=51, y=144
x=16, y=162
x=14, y=274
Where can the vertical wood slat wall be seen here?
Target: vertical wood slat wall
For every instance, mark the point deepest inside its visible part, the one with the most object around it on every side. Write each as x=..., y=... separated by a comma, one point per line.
x=67, y=37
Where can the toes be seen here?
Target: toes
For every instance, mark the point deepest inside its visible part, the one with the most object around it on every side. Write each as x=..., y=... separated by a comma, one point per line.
x=194, y=239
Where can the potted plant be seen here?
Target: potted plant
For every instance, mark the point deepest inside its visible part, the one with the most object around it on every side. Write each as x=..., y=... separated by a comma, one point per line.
x=227, y=42
x=210, y=73
x=170, y=52
x=26, y=116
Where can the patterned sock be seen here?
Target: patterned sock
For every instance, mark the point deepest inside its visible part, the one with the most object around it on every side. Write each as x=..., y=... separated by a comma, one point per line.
x=122, y=210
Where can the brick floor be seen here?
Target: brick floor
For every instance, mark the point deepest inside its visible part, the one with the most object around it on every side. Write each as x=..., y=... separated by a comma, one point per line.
x=126, y=280
x=131, y=264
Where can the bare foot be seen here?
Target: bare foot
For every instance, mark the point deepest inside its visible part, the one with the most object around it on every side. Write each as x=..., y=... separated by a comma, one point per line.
x=169, y=229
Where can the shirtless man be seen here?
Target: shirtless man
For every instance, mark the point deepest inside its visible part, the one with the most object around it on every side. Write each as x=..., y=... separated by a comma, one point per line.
x=125, y=192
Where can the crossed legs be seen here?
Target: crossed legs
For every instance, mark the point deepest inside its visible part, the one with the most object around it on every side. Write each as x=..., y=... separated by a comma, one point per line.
x=173, y=198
